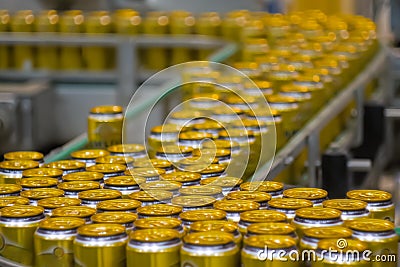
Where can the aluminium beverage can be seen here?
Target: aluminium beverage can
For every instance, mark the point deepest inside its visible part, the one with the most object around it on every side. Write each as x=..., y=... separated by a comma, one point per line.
x=194, y=202
x=234, y=208
x=160, y=223
x=92, y=197
x=248, y=218
x=351, y=208
x=74, y=211
x=218, y=225
x=72, y=189
x=159, y=210
x=67, y=166
x=315, y=195
x=100, y=245
x=125, y=205
x=116, y=217
x=34, y=195
x=150, y=197
x=312, y=236
x=51, y=203
x=288, y=206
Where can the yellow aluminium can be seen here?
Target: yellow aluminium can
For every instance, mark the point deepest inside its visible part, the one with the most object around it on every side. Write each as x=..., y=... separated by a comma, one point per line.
x=234, y=208
x=164, y=165
x=227, y=183
x=248, y=218
x=316, y=217
x=272, y=228
x=53, y=241
x=35, y=194
x=162, y=185
x=51, y=203
x=153, y=247
x=380, y=237
x=12, y=201
x=17, y=226
x=67, y=166
x=351, y=208
x=126, y=184
x=126, y=205
x=191, y=216
x=173, y=153
x=184, y=178
x=72, y=189
x=312, y=236
x=71, y=21
x=380, y=203
x=11, y=170
x=289, y=205
x=261, y=198
x=23, y=56
x=47, y=56
x=150, y=173
x=89, y=156
x=254, y=48
x=202, y=190
x=193, y=202
x=43, y=172
x=275, y=189
x=289, y=108
x=151, y=197
x=38, y=182
x=91, y=198
x=315, y=195
x=83, y=176
x=159, y=223
x=74, y=211
x=340, y=254
x=8, y=190
x=255, y=254
x=135, y=151
x=108, y=169
x=126, y=21
x=208, y=24
x=25, y=155
x=105, y=126
x=213, y=248
x=95, y=57
x=89, y=249
x=161, y=135
x=4, y=50
x=159, y=210
x=304, y=99
x=218, y=225
x=116, y=217
x=181, y=23
x=128, y=161
x=156, y=23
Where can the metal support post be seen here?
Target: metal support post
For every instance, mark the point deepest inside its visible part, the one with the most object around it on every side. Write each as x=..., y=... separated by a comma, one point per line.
x=127, y=71
x=313, y=157
x=359, y=98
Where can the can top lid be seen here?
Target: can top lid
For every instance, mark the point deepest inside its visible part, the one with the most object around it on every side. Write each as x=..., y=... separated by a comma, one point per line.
x=213, y=168
x=56, y=202
x=318, y=213
x=118, y=217
x=328, y=232
x=210, y=238
x=145, y=171
x=270, y=241
x=192, y=135
x=154, y=235
x=203, y=190
x=271, y=228
x=227, y=144
x=115, y=160
x=256, y=216
x=168, y=128
x=163, y=185
x=247, y=195
x=193, y=201
x=40, y=193
x=107, y=168
x=225, y=111
x=369, y=195
x=345, y=204
x=159, y=210
x=101, y=230
x=305, y=193
x=119, y=204
x=196, y=163
x=106, y=110
x=19, y=164
x=281, y=99
x=61, y=223
x=73, y=211
x=187, y=114
x=238, y=205
x=83, y=176
x=206, y=97
x=289, y=203
x=125, y=180
x=153, y=163
x=203, y=215
x=21, y=211
x=99, y=194
x=78, y=185
x=89, y=153
x=66, y=165
x=151, y=195
x=174, y=149
x=216, y=225
x=208, y=125
x=224, y=182
x=370, y=225
x=9, y=189
x=158, y=223
x=264, y=186
x=42, y=172
x=342, y=245
x=26, y=155
x=12, y=201
x=245, y=100
x=126, y=148
x=181, y=177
